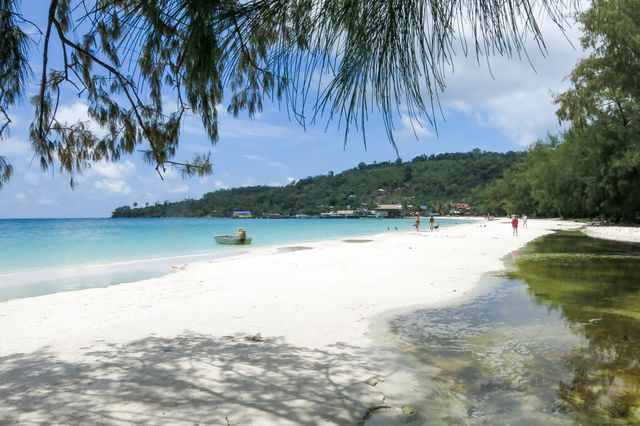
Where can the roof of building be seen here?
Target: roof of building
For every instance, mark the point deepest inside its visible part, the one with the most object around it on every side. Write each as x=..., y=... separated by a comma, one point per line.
x=389, y=207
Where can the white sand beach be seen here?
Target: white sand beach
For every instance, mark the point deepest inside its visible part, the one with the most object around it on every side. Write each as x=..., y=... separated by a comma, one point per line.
x=267, y=337
x=617, y=233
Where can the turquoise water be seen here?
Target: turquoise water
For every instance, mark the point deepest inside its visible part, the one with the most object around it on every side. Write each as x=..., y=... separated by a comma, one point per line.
x=41, y=256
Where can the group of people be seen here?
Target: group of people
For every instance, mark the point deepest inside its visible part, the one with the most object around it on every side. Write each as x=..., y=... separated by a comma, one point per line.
x=432, y=223
x=514, y=223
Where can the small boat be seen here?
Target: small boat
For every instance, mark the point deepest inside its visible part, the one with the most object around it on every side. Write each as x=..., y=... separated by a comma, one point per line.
x=232, y=239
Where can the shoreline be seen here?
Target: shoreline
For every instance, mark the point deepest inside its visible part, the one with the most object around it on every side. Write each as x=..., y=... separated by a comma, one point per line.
x=115, y=273
x=627, y=234
x=253, y=339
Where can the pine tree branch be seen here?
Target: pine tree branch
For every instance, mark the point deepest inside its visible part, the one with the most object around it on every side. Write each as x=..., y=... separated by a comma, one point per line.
x=45, y=55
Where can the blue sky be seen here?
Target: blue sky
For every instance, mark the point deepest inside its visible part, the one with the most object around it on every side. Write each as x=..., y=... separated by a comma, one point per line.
x=505, y=109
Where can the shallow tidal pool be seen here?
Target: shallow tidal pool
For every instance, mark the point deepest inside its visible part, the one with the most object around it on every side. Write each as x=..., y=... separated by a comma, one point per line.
x=555, y=340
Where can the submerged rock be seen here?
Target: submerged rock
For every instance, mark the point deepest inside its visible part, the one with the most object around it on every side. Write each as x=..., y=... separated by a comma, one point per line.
x=255, y=338
x=409, y=412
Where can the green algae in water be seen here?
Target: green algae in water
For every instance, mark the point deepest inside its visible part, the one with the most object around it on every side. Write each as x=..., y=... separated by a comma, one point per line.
x=556, y=342
x=595, y=285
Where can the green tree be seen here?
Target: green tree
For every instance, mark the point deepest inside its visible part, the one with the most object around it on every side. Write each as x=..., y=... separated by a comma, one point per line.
x=603, y=104
x=592, y=169
x=607, y=82
x=13, y=70
x=124, y=56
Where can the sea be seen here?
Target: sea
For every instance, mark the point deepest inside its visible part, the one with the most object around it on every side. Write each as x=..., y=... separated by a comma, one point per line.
x=44, y=256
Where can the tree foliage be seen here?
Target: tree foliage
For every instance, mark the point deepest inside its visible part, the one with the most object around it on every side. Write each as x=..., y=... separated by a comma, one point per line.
x=585, y=173
x=592, y=169
x=13, y=71
x=430, y=181
x=350, y=58
x=607, y=82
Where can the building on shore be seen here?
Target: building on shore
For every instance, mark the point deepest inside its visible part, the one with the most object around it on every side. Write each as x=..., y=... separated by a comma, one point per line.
x=389, y=210
x=348, y=214
x=340, y=214
x=242, y=214
x=460, y=208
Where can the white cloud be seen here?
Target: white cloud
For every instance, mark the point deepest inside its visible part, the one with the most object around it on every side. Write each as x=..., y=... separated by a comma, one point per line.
x=193, y=126
x=290, y=179
x=16, y=120
x=230, y=127
x=518, y=101
x=111, y=177
x=21, y=197
x=262, y=159
x=14, y=146
x=219, y=184
x=252, y=157
x=169, y=173
x=179, y=189
x=236, y=128
x=170, y=105
x=44, y=201
x=415, y=127
x=222, y=111
x=112, y=187
x=530, y=121
x=31, y=178
x=77, y=112
x=113, y=170
x=460, y=105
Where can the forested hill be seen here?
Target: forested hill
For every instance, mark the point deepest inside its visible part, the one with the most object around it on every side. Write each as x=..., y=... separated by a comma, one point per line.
x=430, y=181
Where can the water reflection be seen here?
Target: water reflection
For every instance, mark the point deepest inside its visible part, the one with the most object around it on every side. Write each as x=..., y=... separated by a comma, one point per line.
x=555, y=342
x=595, y=285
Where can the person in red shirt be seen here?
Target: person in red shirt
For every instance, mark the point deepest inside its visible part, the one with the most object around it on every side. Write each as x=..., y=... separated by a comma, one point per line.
x=514, y=225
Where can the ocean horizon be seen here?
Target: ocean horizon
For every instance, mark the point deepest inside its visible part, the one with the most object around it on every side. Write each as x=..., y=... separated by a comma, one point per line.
x=50, y=255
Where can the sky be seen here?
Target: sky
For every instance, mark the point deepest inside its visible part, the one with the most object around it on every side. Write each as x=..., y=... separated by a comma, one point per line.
x=506, y=105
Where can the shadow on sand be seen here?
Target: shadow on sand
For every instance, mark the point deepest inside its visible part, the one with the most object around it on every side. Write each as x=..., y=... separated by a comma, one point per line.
x=189, y=379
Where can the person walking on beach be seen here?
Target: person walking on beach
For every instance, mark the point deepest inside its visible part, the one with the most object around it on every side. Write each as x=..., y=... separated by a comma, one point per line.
x=432, y=221
x=417, y=224
x=514, y=225
x=524, y=221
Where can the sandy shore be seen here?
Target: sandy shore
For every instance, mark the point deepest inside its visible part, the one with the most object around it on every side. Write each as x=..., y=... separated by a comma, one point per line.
x=618, y=233
x=267, y=337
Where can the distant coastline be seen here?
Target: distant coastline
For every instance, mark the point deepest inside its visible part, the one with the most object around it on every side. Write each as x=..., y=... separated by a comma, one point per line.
x=443, y=184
